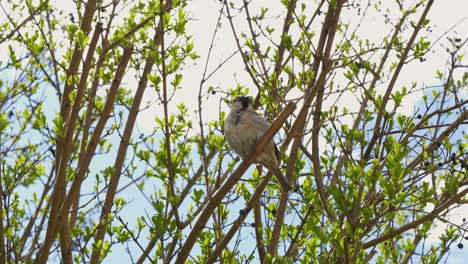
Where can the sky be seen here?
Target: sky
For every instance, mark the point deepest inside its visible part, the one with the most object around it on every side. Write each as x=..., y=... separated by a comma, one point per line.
x=445, y=14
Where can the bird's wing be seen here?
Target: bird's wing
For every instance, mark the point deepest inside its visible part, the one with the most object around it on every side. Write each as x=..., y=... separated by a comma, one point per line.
x=257, y=122
x=263, y=125
x=260, y=126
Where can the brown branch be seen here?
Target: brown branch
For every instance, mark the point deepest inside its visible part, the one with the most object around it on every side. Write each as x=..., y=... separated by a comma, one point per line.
x=181, y=198
x=255, y=41
x=244, y=57
x=368, y=96
x=119, y=161
x=200, y=102
x=32, y=220
x=240, y=219
x=115, y=43
x=85, y=133
x=91, y=94
x=328, y=34
x=282, y=46
x=23, y=23
x=304, y=29
x=65, y=237
x=166, y=130
x=463, y=117
x=230, y=182
x=258, y=231
x=429, y=217
x=62, y=146
x=56, y=220
x=294, y=241
x=72, y=70
x=123, y=146
x=409, y=254
x=170, y=253
x=37, y=234
x=393, y=80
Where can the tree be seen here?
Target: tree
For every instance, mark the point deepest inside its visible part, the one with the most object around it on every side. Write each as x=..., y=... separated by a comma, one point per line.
x=371, y=177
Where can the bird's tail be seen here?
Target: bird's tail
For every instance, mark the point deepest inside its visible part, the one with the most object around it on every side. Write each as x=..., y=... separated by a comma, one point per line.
x=282, y=180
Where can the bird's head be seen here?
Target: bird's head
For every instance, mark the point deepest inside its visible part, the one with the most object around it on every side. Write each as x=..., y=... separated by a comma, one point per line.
x=241, y=103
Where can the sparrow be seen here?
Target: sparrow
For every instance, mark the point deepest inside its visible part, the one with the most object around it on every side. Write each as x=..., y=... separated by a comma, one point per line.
x=243, y=129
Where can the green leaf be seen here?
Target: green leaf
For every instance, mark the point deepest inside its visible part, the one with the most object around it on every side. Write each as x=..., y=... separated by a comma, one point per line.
x=4, y=123
x=81, y=39
x=318, y=231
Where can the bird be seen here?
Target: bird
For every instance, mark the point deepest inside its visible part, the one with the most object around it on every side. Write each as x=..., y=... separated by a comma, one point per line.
x=243, y=129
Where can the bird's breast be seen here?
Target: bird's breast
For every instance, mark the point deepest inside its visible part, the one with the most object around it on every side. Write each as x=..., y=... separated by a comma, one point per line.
x=240, y=135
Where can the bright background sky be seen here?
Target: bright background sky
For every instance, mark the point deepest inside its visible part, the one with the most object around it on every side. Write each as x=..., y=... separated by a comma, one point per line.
x=445, y=14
